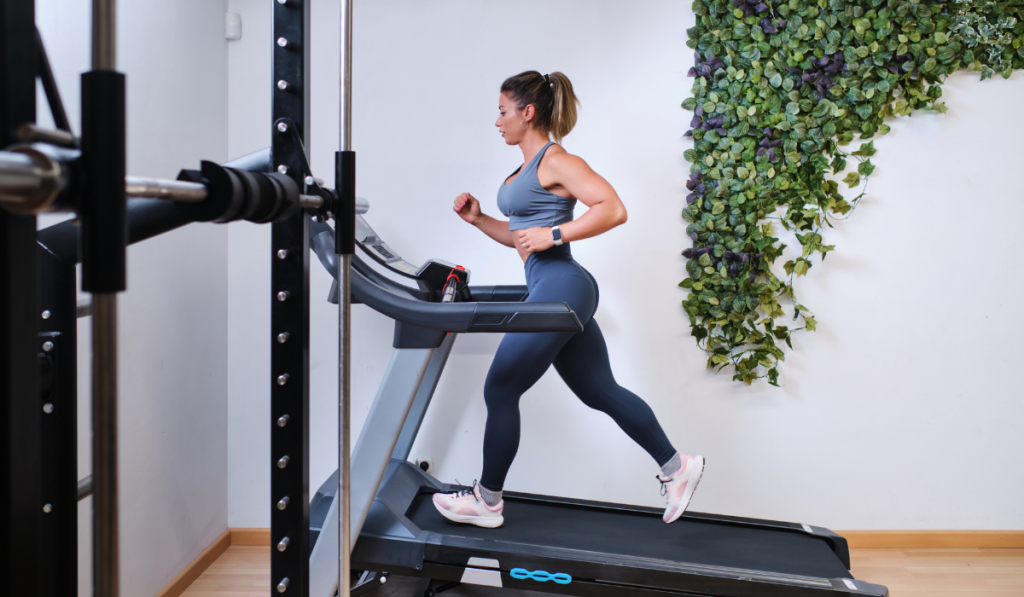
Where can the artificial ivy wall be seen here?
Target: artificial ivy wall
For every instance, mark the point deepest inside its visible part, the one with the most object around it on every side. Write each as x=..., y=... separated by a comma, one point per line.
x=780, y=89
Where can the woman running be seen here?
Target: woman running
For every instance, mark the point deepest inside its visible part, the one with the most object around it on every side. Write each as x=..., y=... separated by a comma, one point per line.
x=538, y=198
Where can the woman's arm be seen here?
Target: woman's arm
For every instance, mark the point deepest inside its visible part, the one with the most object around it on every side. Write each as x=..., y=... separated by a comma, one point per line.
x=468, y=208
x=605, y=212
x=496, y=229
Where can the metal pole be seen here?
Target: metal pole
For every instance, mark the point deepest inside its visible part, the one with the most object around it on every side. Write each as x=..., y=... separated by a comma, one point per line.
x=104, y=443
x=104, y=35
x=104, y=366
x=344, y=321
x=346, y=76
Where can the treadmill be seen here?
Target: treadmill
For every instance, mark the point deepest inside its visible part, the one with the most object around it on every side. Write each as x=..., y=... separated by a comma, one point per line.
x=547, y=544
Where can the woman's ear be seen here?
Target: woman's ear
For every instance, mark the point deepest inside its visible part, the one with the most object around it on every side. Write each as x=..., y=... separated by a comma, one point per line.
x=528, y=112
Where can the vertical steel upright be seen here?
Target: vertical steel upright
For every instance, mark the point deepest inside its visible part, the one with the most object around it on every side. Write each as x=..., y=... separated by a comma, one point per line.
x=289, y=314
x=104, y=244
x=344, y=241
x=58, y=536
x=20, y=409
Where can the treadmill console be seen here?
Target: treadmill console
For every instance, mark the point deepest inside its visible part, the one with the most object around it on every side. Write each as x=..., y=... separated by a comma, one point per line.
x=434, y=273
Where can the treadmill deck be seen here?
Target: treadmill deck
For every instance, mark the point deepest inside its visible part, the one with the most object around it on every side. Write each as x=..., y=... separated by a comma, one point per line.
x=642, y=535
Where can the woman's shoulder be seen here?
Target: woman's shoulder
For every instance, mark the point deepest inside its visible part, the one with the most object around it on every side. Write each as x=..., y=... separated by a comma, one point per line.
x=558, y=160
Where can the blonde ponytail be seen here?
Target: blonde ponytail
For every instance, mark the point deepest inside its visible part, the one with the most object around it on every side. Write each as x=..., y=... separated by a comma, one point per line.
x=563, y=114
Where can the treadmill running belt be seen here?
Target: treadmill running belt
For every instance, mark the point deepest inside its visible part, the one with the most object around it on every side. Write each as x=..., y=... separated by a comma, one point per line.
x=645, y=535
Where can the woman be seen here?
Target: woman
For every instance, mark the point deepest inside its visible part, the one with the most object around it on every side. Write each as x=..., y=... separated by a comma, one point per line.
x=538, y=199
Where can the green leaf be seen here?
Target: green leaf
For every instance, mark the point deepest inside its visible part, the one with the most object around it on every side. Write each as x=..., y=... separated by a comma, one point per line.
x=801, y=266
x=865, y=168
x=852, y=179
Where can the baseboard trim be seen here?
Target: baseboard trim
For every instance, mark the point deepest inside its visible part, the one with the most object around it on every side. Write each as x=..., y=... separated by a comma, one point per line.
x=250, y=536
x=190, y=573
x=933, y=539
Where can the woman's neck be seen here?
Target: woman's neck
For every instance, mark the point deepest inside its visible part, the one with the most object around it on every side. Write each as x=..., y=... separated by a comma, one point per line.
x=532, y=144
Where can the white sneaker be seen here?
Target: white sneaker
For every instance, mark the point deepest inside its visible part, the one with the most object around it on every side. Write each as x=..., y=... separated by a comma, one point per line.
x=678, y=488
x=467, y=506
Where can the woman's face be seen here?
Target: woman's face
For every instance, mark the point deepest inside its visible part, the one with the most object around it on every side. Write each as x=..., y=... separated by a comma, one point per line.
x=509, y=118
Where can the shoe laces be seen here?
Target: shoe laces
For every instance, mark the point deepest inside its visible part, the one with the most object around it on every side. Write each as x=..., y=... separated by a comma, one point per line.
x=664, y=483
x=464, y=492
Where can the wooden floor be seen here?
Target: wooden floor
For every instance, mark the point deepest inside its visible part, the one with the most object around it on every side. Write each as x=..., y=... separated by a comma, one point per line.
x=245, y=572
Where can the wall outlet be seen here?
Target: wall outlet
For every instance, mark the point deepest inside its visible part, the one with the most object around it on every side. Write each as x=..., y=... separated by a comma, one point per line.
x=232, y=25
x=426, y=465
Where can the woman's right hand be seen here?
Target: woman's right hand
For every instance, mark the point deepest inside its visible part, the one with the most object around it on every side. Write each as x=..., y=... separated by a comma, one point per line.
x=468, y=208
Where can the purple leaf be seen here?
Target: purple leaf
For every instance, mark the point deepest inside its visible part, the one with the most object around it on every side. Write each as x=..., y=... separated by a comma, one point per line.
x=771, y=155
x=691, y=198
x=693, y=236
x=761, y=7
x=761, y=152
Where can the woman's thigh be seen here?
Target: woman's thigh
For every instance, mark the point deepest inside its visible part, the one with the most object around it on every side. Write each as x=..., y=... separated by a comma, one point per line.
x=522, y=358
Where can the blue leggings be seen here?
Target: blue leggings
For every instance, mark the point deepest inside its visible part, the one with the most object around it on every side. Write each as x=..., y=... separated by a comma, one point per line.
x=580, y=358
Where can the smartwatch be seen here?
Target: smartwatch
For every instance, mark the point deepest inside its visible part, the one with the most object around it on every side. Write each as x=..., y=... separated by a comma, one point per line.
x=556, y=235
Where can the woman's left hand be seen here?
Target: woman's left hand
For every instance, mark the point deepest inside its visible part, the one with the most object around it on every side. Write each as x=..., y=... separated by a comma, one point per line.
x=535, y=240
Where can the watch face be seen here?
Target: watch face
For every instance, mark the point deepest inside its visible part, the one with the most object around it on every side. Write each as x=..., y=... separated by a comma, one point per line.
x=556, y=234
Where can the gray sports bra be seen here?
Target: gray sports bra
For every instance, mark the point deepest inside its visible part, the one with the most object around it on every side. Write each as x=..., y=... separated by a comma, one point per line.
x=527, y=204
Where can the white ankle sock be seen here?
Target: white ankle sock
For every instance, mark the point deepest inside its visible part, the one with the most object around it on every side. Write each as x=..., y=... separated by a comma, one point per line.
x=491, y=498
x=672, y=466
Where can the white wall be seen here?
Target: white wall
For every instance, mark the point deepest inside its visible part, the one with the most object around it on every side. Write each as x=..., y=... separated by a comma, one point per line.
x=898, y=413
x=173, y=318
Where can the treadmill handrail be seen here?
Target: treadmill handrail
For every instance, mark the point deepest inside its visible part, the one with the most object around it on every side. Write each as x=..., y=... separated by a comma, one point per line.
x=449, y=317
x=467, y=317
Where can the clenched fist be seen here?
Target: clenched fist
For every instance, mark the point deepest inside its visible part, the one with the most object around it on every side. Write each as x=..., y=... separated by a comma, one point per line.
x=467, y=207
